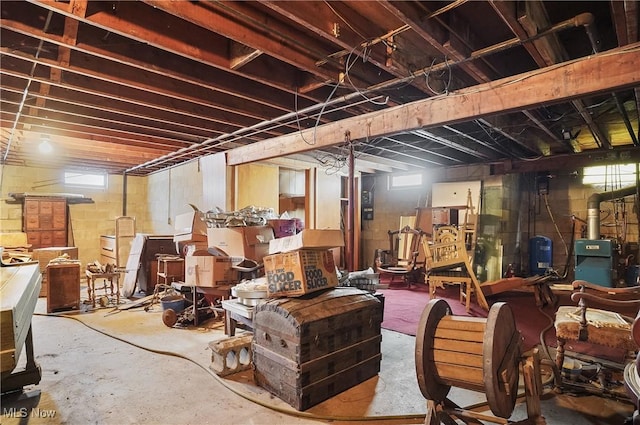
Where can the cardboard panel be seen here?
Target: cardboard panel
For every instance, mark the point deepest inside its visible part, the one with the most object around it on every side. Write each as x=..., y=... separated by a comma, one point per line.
x=248, y=242
x=308, y=239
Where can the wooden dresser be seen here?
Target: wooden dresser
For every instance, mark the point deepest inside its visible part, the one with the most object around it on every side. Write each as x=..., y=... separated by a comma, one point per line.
x=114, y=249
x=45, y=221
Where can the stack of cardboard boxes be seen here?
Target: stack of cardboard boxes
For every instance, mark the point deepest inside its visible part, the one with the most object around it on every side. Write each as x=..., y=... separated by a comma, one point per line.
x=294, y=265
x=302, y=263
x=233, y=245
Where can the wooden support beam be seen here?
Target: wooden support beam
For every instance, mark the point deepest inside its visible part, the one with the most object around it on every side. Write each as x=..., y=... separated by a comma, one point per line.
x=606, y=72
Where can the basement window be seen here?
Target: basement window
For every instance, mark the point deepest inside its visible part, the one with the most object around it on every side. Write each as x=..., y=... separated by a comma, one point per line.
x=405, y=181
x=84, y=179
x=610, y=176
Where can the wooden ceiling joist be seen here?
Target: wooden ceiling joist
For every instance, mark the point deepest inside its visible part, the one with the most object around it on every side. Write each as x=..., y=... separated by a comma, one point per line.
x=548, y=85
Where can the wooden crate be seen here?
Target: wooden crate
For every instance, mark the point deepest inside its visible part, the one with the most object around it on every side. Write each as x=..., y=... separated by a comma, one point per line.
x=308, y=349
x=63, y=287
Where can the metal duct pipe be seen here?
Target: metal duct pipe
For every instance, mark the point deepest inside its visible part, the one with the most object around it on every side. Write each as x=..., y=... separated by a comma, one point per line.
x=593, y=208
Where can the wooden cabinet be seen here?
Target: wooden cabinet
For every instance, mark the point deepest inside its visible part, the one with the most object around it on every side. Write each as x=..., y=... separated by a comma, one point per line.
x=445, y=216
x=142, y=264
x=45, y=221
x=63, y=287
x=154, y=245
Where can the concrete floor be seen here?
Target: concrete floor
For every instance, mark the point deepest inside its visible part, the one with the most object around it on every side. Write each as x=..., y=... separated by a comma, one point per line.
x=129, y=368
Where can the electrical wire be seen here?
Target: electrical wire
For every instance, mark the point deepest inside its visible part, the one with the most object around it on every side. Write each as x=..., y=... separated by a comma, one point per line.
x=348, y=66
x=447, y=85
x=555, y=225
x=240, y=393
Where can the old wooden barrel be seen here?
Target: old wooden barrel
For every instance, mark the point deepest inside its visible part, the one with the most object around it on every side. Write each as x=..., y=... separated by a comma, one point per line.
x=469, y=352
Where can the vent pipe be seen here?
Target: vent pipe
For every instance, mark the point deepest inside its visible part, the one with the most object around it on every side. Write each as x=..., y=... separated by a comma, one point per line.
x=593, y=208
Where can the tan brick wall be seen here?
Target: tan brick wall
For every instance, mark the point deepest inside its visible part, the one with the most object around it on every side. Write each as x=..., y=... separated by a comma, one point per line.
x=171, y=192
x=88, y=221
x=507, y=200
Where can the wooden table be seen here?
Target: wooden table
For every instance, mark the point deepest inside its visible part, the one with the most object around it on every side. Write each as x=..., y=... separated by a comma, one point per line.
x=113, y=281
x=236, y=312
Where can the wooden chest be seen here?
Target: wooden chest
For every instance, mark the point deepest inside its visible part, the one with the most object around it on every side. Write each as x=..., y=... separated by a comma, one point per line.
x=308, y=349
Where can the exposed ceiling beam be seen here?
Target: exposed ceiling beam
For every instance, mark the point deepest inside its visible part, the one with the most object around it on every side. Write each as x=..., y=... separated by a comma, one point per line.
x=550, y=85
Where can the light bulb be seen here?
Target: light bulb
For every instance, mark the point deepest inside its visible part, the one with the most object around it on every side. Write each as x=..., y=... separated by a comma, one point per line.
x=45, y=146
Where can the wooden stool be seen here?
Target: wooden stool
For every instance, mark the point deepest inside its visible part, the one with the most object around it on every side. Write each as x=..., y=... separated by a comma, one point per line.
x=113, y=281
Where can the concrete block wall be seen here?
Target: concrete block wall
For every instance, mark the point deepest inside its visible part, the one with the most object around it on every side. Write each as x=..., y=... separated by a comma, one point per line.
x=551, y=216
x=171, y=192
x=512, y=210
x=389, y=205
x=88, y=221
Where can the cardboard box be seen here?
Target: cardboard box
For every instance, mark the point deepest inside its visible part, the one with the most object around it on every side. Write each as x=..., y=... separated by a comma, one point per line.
x=250, y=242
x=283, y=227
x=209, y=271
x=44, y=255
x=308, y=239
x=296, y=273
x=189, y=227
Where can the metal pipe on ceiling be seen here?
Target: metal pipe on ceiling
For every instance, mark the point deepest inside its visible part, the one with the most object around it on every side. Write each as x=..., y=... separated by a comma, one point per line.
x=238, y=134
x=578, y=20
x=47, y=22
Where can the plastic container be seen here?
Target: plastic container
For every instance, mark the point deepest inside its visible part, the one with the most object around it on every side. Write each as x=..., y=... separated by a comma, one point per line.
x=540, y=255
x=173, y=302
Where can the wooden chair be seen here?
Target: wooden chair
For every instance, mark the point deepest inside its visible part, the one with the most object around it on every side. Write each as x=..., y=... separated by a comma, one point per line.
x=449, y=262
x=587, y=323
x=403, y=256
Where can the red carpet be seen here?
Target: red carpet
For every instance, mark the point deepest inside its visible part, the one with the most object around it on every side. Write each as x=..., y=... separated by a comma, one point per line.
x=403, y=307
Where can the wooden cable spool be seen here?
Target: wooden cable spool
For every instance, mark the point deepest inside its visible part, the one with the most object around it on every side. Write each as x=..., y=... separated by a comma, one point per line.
x=469, y=352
